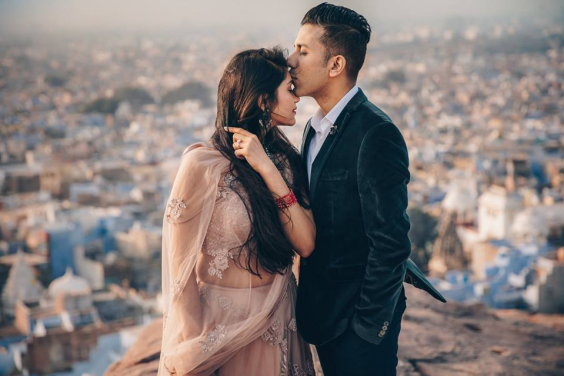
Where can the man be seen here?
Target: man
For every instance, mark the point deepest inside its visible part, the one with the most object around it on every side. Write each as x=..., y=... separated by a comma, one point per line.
x=351, y=296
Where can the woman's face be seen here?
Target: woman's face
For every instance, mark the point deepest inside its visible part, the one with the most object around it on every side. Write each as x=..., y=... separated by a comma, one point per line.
x=285, y=111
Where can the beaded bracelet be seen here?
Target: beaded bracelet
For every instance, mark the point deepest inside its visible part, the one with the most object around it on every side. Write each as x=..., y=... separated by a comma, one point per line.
x=286, y=201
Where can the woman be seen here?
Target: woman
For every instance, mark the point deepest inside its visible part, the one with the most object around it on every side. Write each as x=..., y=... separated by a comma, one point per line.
x=237, y=212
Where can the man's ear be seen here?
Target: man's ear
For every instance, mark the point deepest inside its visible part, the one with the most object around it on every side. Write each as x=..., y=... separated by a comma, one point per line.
x=337, y=65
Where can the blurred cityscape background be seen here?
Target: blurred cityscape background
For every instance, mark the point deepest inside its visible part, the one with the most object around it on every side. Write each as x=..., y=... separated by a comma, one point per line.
x=99, y=99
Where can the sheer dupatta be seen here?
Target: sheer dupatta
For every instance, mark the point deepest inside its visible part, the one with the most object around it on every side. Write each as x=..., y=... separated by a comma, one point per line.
x=192, y=342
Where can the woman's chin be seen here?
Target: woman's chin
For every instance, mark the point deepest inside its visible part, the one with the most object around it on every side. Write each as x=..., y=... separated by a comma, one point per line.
x=287, y=123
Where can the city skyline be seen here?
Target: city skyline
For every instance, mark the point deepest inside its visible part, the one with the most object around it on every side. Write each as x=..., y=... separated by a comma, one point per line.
x=55, y=16
x=93, y=126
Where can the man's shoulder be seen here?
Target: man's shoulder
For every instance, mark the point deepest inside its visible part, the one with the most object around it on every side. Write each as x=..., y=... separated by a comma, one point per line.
x=375, y=125
x=369, y=111
x=368, y=117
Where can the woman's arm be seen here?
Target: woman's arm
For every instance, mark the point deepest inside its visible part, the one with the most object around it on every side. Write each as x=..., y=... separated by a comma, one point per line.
x=297, y=222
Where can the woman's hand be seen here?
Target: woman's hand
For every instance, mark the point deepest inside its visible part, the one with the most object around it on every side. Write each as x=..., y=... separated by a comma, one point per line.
x=297, y=222
x=247, y=146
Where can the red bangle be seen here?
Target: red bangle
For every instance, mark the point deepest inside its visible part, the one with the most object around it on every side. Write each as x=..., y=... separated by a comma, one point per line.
x=286, y=201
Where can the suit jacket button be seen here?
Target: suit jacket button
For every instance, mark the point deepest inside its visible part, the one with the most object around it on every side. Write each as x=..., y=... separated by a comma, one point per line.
x=384, y=327
x=381, y=334
x=386, y=323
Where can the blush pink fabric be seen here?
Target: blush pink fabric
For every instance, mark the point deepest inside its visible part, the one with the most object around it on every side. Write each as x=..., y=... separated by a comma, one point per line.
x=219, y=319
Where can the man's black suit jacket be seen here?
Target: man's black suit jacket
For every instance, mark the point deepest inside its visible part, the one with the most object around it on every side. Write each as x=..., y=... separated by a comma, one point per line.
x=358, y=193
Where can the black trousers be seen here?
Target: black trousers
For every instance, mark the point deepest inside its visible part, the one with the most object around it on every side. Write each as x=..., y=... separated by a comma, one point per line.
x=350, y=355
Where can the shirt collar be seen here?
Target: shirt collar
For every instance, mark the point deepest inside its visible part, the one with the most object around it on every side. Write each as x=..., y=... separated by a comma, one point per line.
x=322, y=123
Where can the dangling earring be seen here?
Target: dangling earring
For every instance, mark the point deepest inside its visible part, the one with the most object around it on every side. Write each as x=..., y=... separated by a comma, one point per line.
x=266, y=121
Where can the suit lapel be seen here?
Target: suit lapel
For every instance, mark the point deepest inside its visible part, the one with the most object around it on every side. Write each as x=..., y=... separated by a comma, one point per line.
x=306, y=138
x=331, y=141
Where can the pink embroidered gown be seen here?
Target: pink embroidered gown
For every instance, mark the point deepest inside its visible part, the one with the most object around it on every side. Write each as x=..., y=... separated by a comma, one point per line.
x=247, y=324
x=279, y=350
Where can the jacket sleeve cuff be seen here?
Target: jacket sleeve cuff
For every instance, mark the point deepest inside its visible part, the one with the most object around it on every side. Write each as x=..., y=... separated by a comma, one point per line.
x=373, y=334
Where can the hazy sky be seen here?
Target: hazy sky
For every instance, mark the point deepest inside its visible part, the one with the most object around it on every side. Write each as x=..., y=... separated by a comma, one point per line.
x=164, y=15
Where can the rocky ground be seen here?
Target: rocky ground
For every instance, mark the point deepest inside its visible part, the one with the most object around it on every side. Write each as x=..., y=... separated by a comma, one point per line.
x=436, y=339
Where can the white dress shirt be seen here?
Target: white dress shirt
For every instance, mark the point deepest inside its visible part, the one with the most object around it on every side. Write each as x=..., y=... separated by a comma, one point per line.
x=322, y=123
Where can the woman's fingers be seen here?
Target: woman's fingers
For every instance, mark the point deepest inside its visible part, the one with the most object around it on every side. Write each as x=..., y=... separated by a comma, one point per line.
x=239, y=131
x=240, y=141
x=247, y=146
x=240, y=153
x=241, y=147
x=241, y=138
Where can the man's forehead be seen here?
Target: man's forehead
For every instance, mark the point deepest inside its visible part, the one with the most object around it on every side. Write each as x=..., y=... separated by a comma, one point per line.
x=308, y=35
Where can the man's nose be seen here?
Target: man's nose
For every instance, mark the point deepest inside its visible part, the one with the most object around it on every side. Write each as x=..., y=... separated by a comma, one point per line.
x=292, y=60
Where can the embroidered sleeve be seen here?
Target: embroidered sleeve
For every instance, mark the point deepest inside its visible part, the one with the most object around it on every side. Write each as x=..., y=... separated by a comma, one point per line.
x=213, y=338
x=174, y=209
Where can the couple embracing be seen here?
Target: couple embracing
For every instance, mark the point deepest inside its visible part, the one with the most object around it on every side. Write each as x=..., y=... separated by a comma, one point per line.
x=246, y=206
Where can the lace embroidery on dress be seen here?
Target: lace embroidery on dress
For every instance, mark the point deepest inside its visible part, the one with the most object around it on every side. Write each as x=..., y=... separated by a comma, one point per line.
x=222, y=192
x=173, y=209
x=292, y=282
x=224, y=302
x=231, y=190
x=213, y=338
x=276, y=334
x=230, y=216
x=273, y=335
x=220, y=262
x=284, y=358
x=175, y=286
x=292, y=325
x=298, y=371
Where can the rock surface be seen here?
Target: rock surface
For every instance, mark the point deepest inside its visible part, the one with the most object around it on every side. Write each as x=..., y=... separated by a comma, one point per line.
x=436, y=339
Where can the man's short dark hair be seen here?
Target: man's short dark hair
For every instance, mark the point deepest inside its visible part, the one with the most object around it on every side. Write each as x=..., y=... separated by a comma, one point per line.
x=345, y=33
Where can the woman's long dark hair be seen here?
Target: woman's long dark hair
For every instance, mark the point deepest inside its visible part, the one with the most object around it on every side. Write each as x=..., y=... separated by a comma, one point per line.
x=250, y=76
